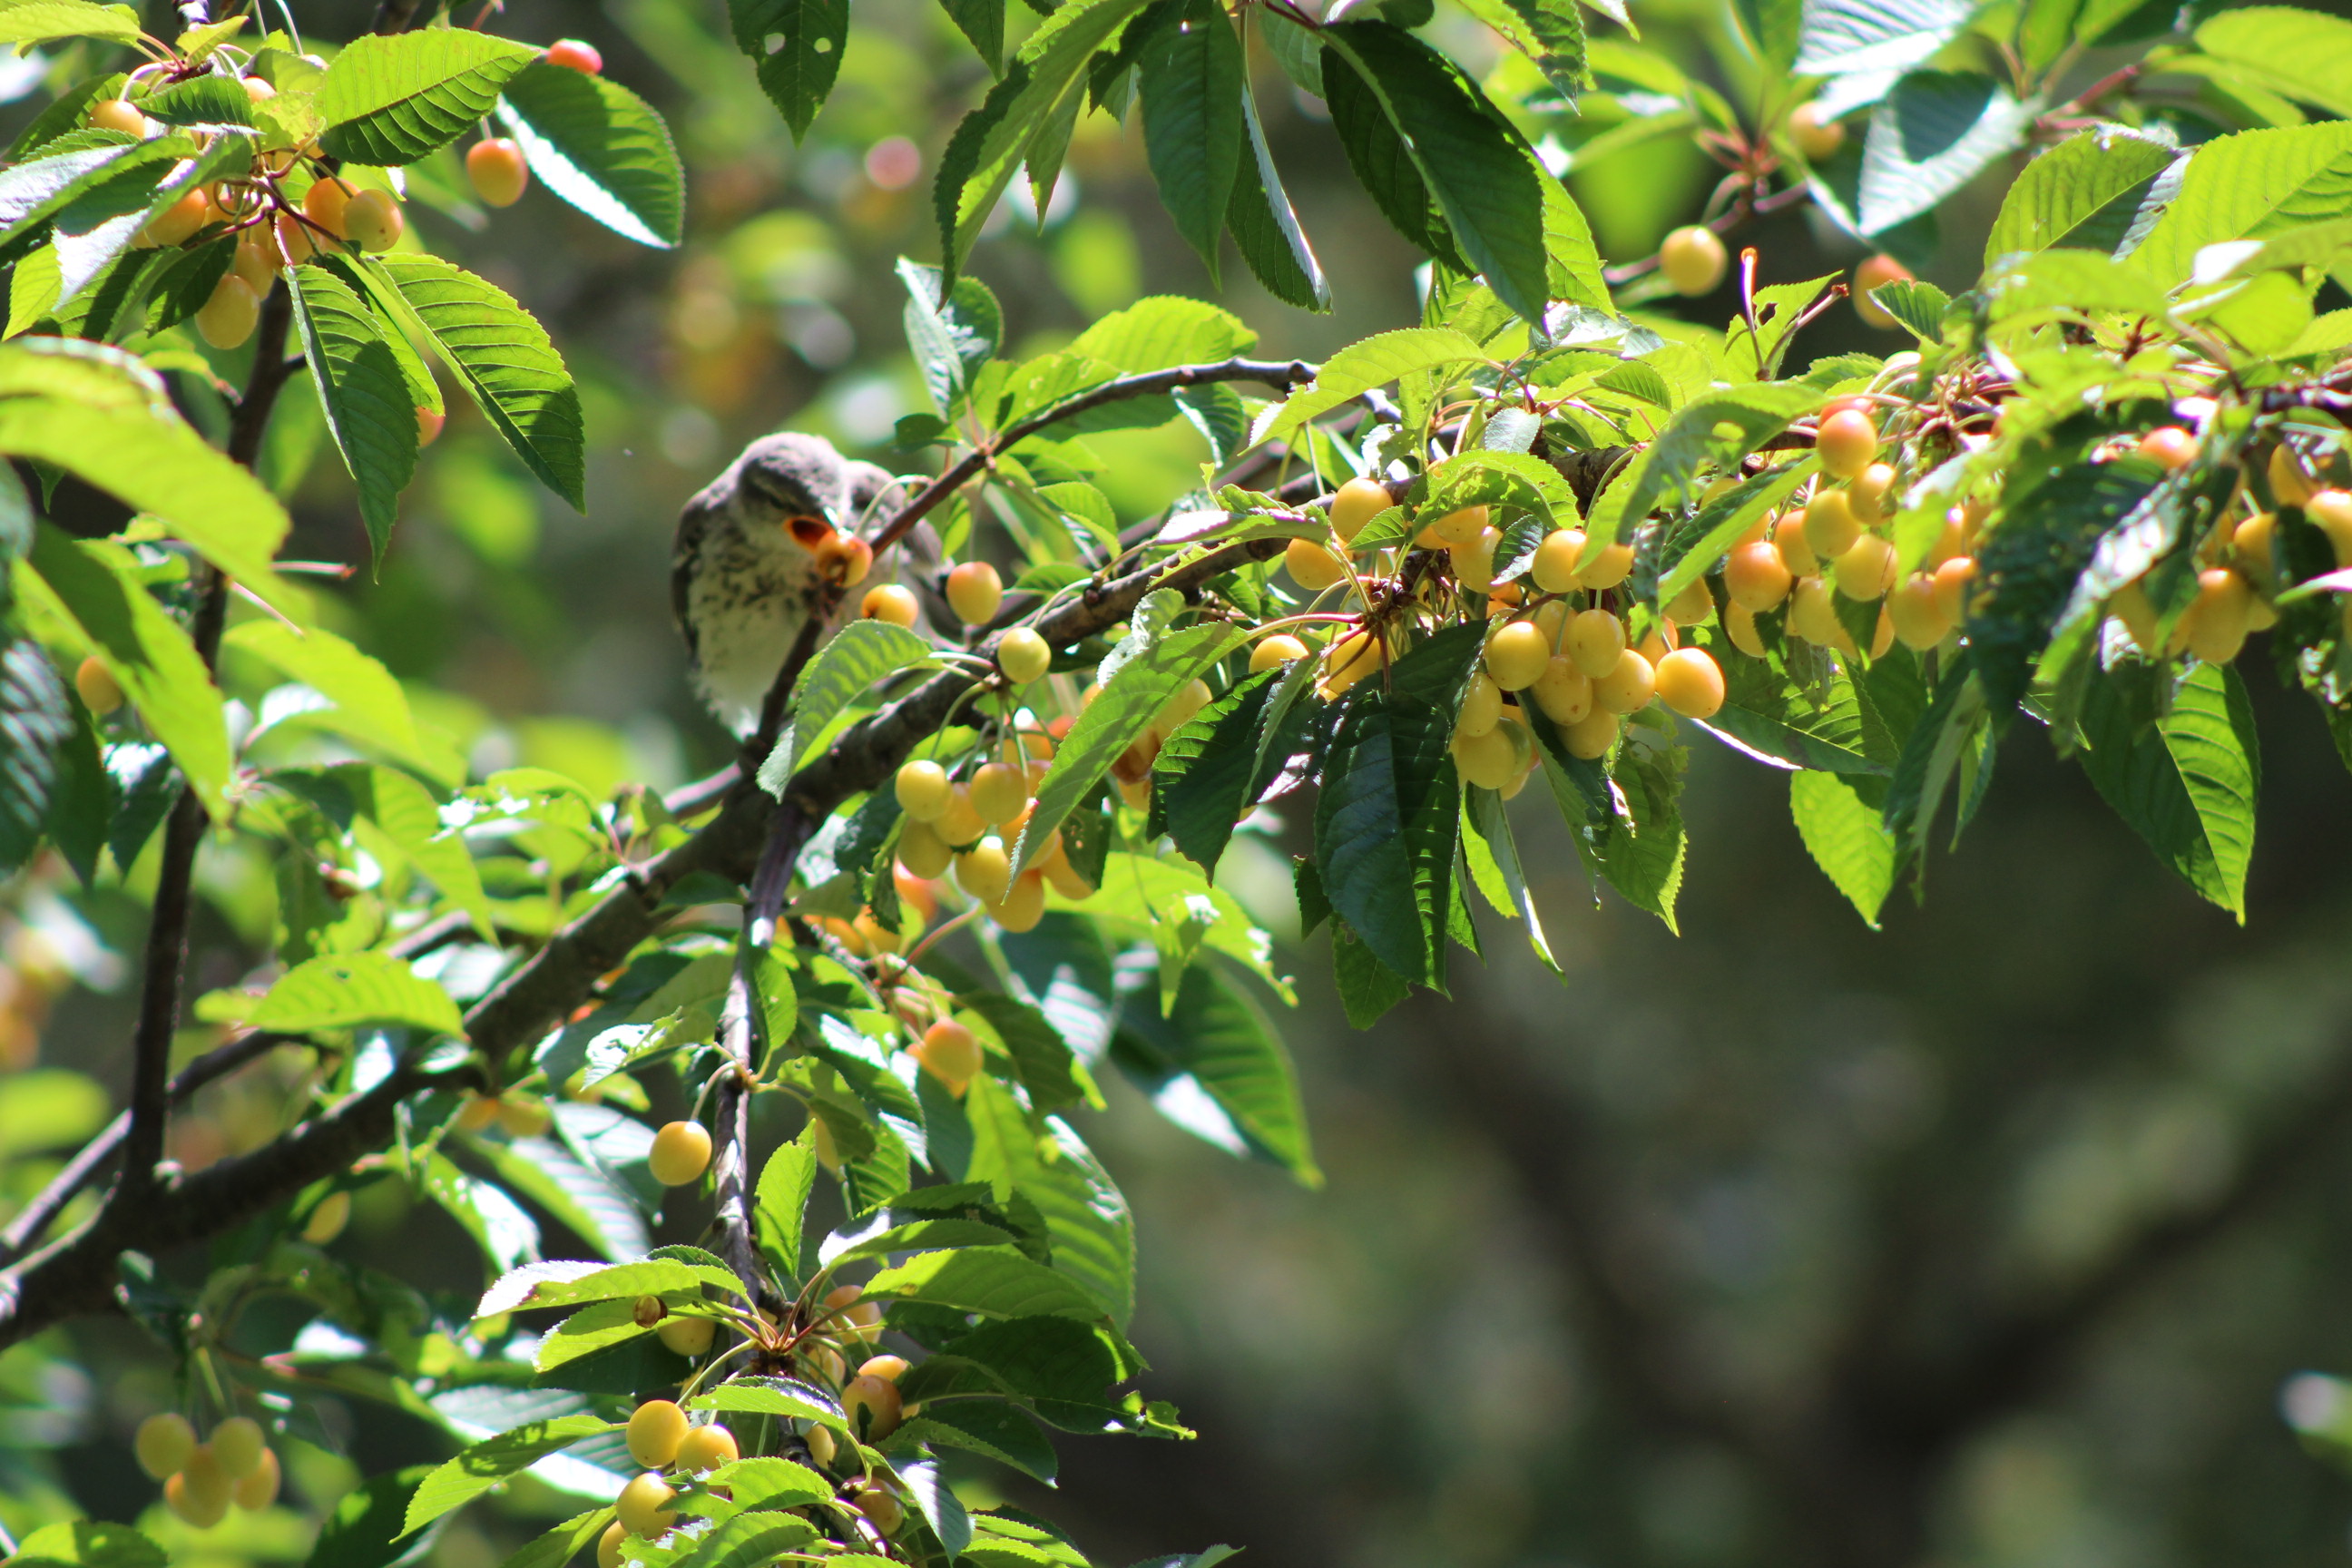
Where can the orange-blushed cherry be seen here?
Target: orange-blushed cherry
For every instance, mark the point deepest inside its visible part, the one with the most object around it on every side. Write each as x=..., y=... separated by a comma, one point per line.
x=497, y=170
x=890, y=602
x=2170, y=446
x=572, y=54
x=1846, y=442
x=975, y=592
x=1690, y=682
x=1876, y=272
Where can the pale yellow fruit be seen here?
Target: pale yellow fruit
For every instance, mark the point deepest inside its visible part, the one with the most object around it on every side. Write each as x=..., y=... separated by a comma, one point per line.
x=881, y=1510
x=974, y=592
x=1919, y=622
x=1024, y=904
x=998, y=792
x=1485, y=759
x=1829, y=525
x=984, y=870
x=2130, y=604
x=1693, y=606
x=1868, y=569
x=922, y=852
x=229, y=316
x=1473, y=563
x=2290, y=485
x=680, y=1153
x=1190, y=699
x=1592, y=735
x=643, y=1507
x=862, y=1316
x=1846, y=442
x=237, y=1444
x=1278, y=649
x=1351, y=659
x=890, y=602
x=164, y=1443
x=1357, y=503
x=1565, y=692
x=1796, y=550
x=2253, y=542
x=872, y=1405
x=689, y=1337
x=960, y=823
x=1482, y=705
x=1876, y=272
x=2331, y=510
x=1816, y=135
x=1458, y=527
x=1627, y=687
x=1812, y=616
x=2220, y=610
x=1869, y=493
x=1693, y=261
x=1023, y=656
x=1555, y=564
x=923, y=789
x=1690, y=682
x=820, y=1445
x=608, y=1545
x=1739, y=626
x=1312, y=567
x=707, y=1448
x=1951, y=588
x=373, y=220
x=1605, y=567
x=523, y=1118
x=327, y=1221
x=656, y=1429
x=100, y=692
x=257, y=1489
x=1516, y=655
x=1595, y=638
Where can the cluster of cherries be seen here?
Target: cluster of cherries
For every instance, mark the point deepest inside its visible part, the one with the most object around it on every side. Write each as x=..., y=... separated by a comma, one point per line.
x=201, y=1479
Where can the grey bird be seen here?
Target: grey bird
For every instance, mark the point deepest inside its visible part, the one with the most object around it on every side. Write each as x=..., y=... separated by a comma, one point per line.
x=744, y=573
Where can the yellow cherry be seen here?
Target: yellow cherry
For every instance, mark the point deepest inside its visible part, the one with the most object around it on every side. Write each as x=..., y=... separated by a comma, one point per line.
x=975, y=592
x=1690, y=682
x=680, y=1153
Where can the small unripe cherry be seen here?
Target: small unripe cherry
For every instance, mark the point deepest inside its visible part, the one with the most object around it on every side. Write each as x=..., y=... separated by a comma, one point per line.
x=1516, y=655
x=1867, y=495
x=1564, y=692
x=975, y=592
x=1846, y=442
x=118, y=114
x=1876, y=272
x=680, y=1153
x=1605, y=567
x=328, y=203
x=998, y=792
x=656, y=1429
x=1692, y=260
x=1278, y=649
x=1816, y=135
x=984, y=870
x=100, y=693
x=372, y=221
x=164, y=1443
x=1311, y=566
x=872, y=1405
x=1022, y=655
x=643, y=1507
x=1627, y=687
x=257, y=1489
x=950, y=1053
x=1867, y=570
x=608, y=1545
x=1595, y=638
x=1690, y=682
x=227, y=319
x=1951, y=588
x=1357, y=502
x=1756, y=577
x=327, y=1221
x=1919, y=621
x=923, y=789
x=1482, y=705
x=843, y=559
x=890, y=602
x=689, y=1337
x=1485, y=759
x=2170, y=446
x=1554, y=568
x=497, y=170
x=707, y=1448
x=574, y=55
x=1591, y=736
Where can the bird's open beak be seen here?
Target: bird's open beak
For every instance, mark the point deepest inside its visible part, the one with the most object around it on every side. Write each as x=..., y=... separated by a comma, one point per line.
x=809, y=532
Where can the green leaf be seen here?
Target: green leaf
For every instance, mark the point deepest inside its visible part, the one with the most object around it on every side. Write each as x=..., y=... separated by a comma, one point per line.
x=2079, y=283
x=1163, y=331
x=1513, y=480
x=568, y=1282
x=584, y=1199
x=952, y=334
x=780, y=1205
x=559, y=1545
x=96, y=587
x=2084, y=192
x=1042, y=1059
x=368, y=699
x=993, y=1281
x=1552, y=34
x=1085, y=1216
x=1191, y=78
x=983, y=22
x=862, y=653
x=1380, y=160
x=37, y=725
x=1206, y=767
x=2247, y=186
x=1712, y=432
x=2046, y=533
x=594, y=1329
x=1125, y=706
x=87, y=1542
x=1361, y=366
x=1643, y=858
x=207, y=99
x=1265, y=225
x=391, y=99
x=1918, y=306
x=1367, y=988
x=2185, y=784
x=1841, y=37
x=358, y=376
x=1838, y=817
x=601, y=148
x=1690, y=550
x=509, y=368
x=796, y=46
x=483, y=1466
x=1480, y=172
x=991, y=141
x=81, y=407
x=749, y=1540
x=2304, y=55
x=1774, y=28
x=772, y=1396
x=770, y=1483
x=1494, y=855
x=1385, y=825
x=1934, y=134
x=365, y=1530
x=38, y=21
x=347, y=990
x=995, y=1431
x=1218, y=1039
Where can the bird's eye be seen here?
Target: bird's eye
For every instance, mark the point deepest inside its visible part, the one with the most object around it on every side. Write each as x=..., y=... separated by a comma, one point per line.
x=811, y=532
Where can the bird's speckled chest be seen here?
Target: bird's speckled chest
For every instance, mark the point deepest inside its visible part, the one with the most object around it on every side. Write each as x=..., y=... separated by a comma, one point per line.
x=747, y=591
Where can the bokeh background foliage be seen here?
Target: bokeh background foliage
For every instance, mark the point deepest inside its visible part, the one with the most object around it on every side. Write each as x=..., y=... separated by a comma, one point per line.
x=2019, y=1219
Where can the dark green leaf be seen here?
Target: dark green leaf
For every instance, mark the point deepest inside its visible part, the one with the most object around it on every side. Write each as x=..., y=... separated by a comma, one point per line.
x=1367, y=988
x=1205, y=766
x=366, y=1529
x=1384, y=829
x=2084, y=192
x=796, y=45
x=1265, y=228
x=1934, y=134
x=37, y=726
x=1087, y=1219
x=1219, y=1038
x=1192, y=84
x=2045, y=535
x=995, y=1281
x=983, y=22
x=361, y=385
x=601, y=148
x=2185, y=784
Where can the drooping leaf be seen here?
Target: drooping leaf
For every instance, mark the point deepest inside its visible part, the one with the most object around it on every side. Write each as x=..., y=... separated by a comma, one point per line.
x=993, y=1281
x=2187, y=783
x=1190, y=79
x=1837, y=815
x=1217, y=1038
x=366, y=1528
x=780, y=1205
x=1265, y=228
x=1206, y=767
x=862, y=653
x=358, y=376
x=952, y=334
x=1384, y=829
x=1846, y=36
x=1086, y=1215
x=600, y=147
x=391, y=99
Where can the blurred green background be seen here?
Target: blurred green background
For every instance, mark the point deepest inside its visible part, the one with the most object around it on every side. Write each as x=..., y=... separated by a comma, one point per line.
x=1999, y=1237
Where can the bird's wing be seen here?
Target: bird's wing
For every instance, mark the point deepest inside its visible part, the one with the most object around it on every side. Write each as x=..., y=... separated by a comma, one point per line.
x=693, y=525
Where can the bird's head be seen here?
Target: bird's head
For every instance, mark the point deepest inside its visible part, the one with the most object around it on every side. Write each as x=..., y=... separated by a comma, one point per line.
x=798, y=492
